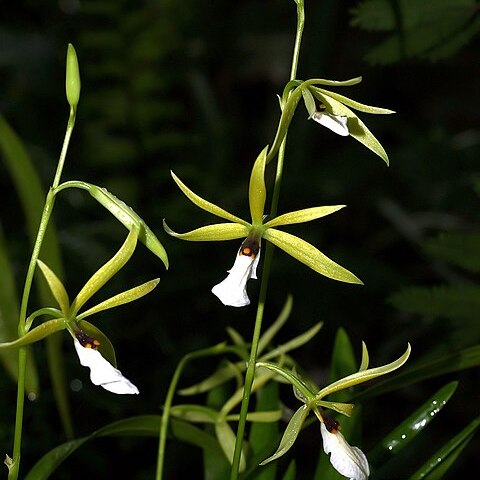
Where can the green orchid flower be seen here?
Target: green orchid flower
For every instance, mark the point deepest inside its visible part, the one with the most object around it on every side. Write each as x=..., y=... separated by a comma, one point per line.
x=232, y=290
x=347, y=460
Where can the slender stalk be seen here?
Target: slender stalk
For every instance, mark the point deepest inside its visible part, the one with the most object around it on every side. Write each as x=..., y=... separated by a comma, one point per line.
x=217, y=350
x=22, y=323
x=250, y=373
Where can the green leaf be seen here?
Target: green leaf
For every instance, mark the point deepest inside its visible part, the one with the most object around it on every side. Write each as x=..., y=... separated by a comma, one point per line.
x=343, y=359
x=309, y=255
x=209, y=233
x=257, y=192
x=146, y=425
x=291, y=472
x=206, y=205
x=226, y=439
x=56, y=287
x=436, y=467
x=106, y=348
x=291, y=433
x=106, y=272
x=128, y=217
x=120, y=299
x=413, y=425
x=38, y=333
x=301, y=216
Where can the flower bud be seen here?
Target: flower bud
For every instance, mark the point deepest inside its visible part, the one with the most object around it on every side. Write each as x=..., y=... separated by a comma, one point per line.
x=72, y=80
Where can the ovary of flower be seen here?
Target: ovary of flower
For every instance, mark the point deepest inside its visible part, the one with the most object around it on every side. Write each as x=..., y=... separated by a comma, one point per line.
x=233, y=290
x=335, y=123
x=102, y=372
x=347, y=460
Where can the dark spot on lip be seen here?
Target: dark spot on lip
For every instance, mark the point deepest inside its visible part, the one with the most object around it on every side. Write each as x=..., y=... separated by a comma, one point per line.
x=249, y=248
x=331, y=424
x=86, y=340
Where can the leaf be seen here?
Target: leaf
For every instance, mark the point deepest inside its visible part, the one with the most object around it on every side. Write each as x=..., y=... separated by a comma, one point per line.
x=412, y=426
x=343, y=360
x=309, y=255
x=146, y=425
x=442, y=459
x=446, y=301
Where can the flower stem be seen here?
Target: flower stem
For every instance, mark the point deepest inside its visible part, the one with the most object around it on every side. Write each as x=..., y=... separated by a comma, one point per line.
x=250, y=373
x=22, y=324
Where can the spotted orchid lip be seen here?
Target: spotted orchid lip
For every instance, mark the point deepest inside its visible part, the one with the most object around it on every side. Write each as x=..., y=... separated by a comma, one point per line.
x=86, y=340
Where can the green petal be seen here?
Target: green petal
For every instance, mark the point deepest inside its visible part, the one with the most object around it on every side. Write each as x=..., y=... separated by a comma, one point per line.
x=343, y=408
x=301, y=216
x=219, y=231
x=356, y=127
x=106, y=348
x=226, y=439
x=309, y=255
x=205, y=204
x=38, y=333
x=334, y=83
x=291, y=433
x=309, y=101
x=361, y=107
x=365, y=358
x=122, y=298
x=257, y=191
x=364, y=376
x=56, y=287
x=194, y=413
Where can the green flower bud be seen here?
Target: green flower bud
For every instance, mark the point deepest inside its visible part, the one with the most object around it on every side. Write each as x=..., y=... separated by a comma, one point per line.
x=72, y=81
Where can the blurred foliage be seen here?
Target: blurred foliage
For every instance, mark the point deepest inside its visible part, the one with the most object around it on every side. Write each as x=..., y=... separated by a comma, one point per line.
x=190, y=86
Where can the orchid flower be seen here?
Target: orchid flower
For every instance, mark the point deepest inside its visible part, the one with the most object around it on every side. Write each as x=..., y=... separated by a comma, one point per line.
x=232, y=290
x=92, y=346
x=349, y=461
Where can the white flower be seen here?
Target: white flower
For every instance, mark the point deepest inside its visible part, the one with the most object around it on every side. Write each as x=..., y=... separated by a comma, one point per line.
x=233, y=290
x=102, y=372
x=335, y=123
x=347, y=460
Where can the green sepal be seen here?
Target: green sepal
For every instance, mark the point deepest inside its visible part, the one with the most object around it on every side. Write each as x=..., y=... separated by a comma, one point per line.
x=72, y=77
x=257, y=192
x=194, y=413
x=106, y=272
x=264, y=416
x=301, y=216
x=38, y=333
x=129, y=218
x=361, y=107
x=206, y=205
x=334, y=83
x=106, y=348
x=309, y=255
x=120, y=299
x=291, y=433
x=364, y=376
x=56, y=287
x=216, y=232
x=356, y=128
x=226, y=439
x=365, y=358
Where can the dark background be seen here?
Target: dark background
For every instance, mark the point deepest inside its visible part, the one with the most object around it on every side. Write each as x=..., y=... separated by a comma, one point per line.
x=191, y=86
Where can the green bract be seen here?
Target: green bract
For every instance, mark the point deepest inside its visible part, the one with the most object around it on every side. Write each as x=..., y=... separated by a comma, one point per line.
x=257, y=229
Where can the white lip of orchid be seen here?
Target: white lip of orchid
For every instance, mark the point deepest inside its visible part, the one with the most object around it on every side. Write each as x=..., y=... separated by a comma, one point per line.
x=347, y=460
x=233, y=290
x=335, y=123
x=102, y=372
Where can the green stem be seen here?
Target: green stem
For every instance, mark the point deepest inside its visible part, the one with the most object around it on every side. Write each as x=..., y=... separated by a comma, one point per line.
x=250, y=373
x=22, y=323
x=206, y=352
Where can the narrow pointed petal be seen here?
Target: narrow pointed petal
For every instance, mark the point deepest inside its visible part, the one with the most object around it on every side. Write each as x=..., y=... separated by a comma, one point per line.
x=233, y=290
x=102, y=372
x=257, y=191
x=205, y=204
x=347, y=460
x=335, y=83
x=301, y=216
x=216, y=232
x=336, y=123
x=309, y=255
x=56, y=287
